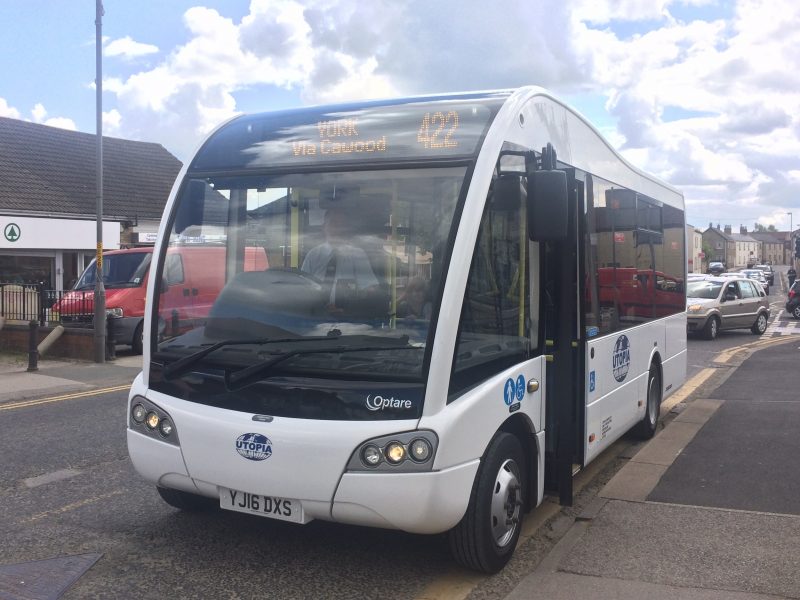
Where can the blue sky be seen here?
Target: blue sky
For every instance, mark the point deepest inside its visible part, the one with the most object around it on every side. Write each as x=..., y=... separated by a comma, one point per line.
x=702, y=93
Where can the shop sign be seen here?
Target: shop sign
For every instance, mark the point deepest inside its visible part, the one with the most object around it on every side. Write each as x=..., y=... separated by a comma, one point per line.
x=11, y=232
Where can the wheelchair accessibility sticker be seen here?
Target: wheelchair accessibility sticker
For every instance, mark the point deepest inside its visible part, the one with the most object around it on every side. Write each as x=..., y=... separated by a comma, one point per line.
x=513, y=393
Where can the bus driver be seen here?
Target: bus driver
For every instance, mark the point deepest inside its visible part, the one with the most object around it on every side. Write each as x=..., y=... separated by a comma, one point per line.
x=342, y=266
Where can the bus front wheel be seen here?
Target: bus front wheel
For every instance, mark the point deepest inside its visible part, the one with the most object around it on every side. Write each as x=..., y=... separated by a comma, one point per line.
x=486, y=537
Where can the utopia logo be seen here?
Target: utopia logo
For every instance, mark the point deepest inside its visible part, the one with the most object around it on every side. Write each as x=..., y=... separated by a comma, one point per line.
x=254, y=446
x=379, y=402
x=621, y=359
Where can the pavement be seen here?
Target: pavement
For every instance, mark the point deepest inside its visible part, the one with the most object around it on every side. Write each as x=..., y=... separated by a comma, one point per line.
x=55, y=376
x=709, y=509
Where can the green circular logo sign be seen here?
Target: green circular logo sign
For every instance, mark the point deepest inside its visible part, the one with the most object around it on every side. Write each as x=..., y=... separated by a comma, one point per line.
x=11, y=232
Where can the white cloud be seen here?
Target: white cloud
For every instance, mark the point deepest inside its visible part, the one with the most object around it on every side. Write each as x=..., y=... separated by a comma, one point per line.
x=8, y=111
x=112, y=121
x=39, y=114
x=62, y=122
x=709, y=105
x=128, y=49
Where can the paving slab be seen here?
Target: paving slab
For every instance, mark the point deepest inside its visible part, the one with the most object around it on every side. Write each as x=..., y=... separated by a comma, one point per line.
x=690, y=547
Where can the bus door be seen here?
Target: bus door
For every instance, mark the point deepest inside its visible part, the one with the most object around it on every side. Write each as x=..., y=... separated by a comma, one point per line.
x=563, y=344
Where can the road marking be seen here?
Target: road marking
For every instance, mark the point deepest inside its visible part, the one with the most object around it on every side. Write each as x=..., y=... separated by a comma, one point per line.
x=73, y=506
x=75, y=396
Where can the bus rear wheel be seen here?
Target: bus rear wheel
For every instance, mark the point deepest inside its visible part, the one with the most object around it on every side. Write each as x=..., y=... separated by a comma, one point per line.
x=646, y=428
x=486, y=537
x=185, y=500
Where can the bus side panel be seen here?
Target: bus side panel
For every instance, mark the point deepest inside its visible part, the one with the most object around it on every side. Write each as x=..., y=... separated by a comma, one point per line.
x=466, y=425
x=674, y=362
x=616, y=379
x=674, y=370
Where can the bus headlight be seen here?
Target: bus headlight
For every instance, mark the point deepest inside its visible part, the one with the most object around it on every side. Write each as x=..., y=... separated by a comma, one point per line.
x=165, y=427
x=395, y=453
x=420, y=450
x=410, y=451
x=138, y=413
x=371, y=455
x=151, y=420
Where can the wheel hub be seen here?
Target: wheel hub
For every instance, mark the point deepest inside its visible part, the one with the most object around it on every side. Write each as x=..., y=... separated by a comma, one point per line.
x=506, y=503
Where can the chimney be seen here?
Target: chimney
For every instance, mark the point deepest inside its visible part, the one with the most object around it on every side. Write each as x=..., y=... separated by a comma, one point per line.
x=710, y=225
x=743, y=229
x=728, y=229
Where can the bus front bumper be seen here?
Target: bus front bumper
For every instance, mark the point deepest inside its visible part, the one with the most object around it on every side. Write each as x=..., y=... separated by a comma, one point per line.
x=428, y=502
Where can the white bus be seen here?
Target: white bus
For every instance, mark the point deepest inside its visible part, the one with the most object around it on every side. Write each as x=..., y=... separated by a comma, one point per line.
x=466, y=299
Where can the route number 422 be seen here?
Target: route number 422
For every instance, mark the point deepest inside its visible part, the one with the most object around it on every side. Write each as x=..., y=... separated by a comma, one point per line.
x=437, y=129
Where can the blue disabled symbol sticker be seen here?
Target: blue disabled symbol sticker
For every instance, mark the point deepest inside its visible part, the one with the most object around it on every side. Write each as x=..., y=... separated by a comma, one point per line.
x=509, y=392
x=520, y=387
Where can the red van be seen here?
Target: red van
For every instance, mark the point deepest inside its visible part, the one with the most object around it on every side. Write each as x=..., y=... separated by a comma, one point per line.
x=190, y=271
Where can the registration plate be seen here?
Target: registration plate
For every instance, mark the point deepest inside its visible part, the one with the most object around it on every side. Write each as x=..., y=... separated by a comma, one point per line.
x=285, y=509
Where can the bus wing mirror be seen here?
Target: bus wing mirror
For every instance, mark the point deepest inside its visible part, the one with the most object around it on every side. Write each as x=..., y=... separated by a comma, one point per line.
x=547, y=206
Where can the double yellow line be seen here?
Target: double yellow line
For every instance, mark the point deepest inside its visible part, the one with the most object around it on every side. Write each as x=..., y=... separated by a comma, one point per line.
x=75, y=396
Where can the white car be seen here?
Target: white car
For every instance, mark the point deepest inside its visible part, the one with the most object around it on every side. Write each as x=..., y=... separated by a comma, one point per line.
x=757, y=275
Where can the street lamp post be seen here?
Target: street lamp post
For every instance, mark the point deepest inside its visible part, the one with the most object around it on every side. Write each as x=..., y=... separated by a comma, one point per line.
x=99, y=288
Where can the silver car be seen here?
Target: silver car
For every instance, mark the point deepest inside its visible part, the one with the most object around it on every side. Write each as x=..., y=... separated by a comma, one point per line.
x=720, y=303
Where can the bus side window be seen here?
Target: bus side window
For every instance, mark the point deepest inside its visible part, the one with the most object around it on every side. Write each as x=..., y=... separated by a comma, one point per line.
x=495, y=321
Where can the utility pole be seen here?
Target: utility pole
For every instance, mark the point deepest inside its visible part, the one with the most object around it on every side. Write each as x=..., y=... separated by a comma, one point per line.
x=99, y=288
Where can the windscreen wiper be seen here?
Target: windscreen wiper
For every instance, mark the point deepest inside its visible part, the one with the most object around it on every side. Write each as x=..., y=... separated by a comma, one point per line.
x=181, y=366
x=244, y=377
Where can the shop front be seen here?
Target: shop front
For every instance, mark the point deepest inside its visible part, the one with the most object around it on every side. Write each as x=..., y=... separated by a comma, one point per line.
x=50, y=251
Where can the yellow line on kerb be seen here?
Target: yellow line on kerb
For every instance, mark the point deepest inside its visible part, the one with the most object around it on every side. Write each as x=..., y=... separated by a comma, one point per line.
x=687, y=389
x=76, y=395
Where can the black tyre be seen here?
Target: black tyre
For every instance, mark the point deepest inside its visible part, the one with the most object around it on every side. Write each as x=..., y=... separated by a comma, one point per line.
x=796, y=312
x=760, y=326
x=711, y=328
x=185, y=501
x=138, y=338
x=646, y=428
x=486, y=537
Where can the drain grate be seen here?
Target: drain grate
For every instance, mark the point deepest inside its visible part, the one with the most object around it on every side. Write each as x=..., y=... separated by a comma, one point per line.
x=43, y=579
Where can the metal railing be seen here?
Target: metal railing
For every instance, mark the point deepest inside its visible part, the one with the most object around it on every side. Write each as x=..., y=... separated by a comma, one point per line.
x=33, y=302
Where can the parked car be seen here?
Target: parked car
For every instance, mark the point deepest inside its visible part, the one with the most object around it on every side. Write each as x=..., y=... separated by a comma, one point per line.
x=720, y=303
x=768, y=273
x=696, y=276
x=793, y=302
x=757, y=275
x=191, y=271
x=715, y=268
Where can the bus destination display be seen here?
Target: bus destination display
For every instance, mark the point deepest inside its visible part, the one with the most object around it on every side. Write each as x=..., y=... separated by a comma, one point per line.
x=451, y=128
